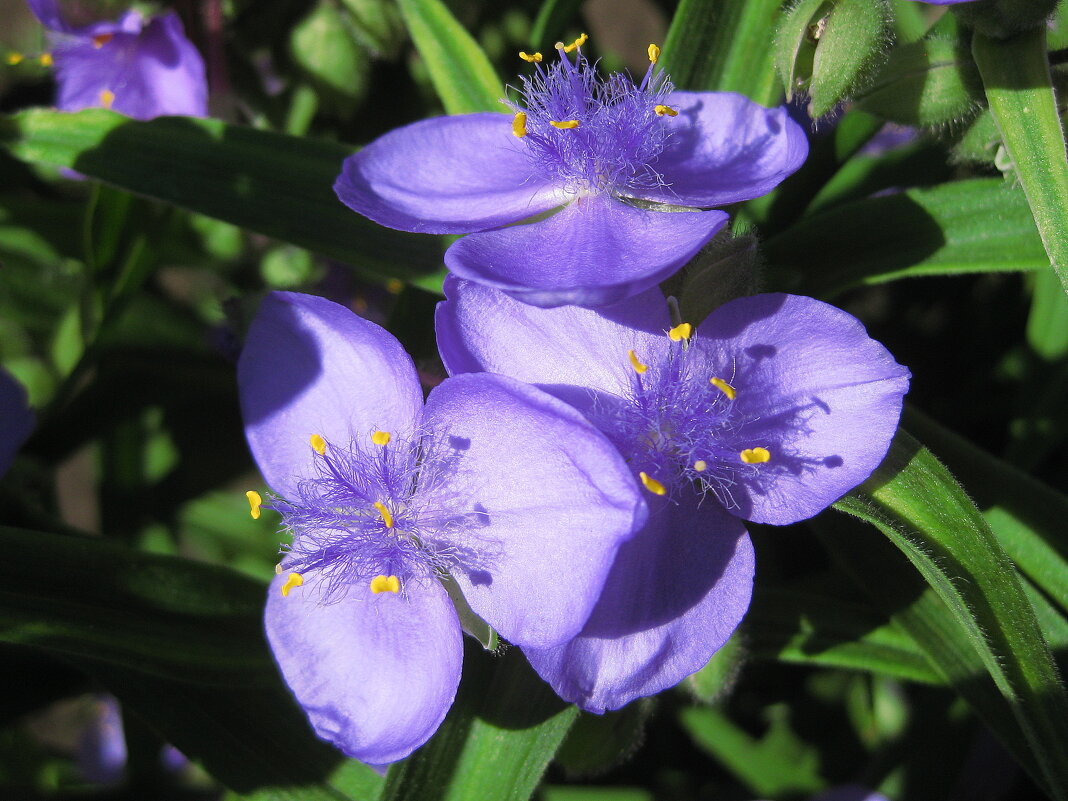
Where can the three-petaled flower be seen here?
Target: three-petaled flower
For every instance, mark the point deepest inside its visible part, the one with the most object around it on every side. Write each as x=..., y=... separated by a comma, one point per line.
x=140, y=68
x=616, y=183
x=770, y=410
x=495, y=487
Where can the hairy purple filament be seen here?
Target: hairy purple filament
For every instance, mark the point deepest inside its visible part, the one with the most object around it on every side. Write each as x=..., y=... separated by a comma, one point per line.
x=619, y=134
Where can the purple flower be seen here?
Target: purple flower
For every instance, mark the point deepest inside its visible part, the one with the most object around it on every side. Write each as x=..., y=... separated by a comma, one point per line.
x=770, y=410
x=138, y=67
x=16, y=419
x=612, y=162
x=503, y=490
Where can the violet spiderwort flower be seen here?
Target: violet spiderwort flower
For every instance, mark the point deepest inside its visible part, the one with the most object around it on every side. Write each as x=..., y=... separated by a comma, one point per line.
x=506, y=490
x=16, y=419
x=770, y=410
x=137, y=67
x=604, y=157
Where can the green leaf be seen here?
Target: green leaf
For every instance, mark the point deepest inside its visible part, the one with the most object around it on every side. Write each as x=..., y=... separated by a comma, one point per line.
x=273, y=184
x=921, y=509
x=1047, y=324
x=724, y=45
x=461, y=73
x=978, y=225
x=324, y=49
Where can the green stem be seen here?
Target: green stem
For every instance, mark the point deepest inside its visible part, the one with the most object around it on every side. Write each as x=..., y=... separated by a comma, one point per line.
x=1019, y=90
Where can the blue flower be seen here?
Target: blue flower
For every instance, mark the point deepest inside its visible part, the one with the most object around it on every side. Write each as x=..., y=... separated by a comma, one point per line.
x=140, y=68
x=16, y=419
x=494, y=490
x=615, y=182
x=770, y=410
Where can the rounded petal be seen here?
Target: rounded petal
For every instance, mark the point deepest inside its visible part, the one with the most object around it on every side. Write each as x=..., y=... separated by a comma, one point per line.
x=567, y=351
x=311, y=366
x=595, y=252
x=676, y=593
x=542, y=502
x=447, y=175
x=48, y=14
x=814, y=390
x=725, y=148
x=375, y=673
x=16, y=419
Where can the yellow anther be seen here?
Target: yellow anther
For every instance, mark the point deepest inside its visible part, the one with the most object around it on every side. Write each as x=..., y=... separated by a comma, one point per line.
x=639, y=368
x=102, y=39
x=654, y=53
x=14, y=58
x=723, y=387
x=530, y=58
x=292, y=580
x=45, y=59
x=519, y=124
x=564, y=125
x=107, y=97
x=652, y=484
x=394, y=286
x=254, y=503
x=574, y=45
x=385, y=584
x=661, y=110
x=381, y=437
x=318, y=444
x=680, y=332
x=278, y=569
x=755, y=455
x=387, y=516
x=700, y=465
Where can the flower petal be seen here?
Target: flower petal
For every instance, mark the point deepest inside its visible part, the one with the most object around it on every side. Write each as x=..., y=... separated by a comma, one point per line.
x=567, y=351
x=725, y=148
x=675, y=595
x=818, y=393
x=48, y=14
x=542, y=502
x=595, y=252
x=447, y=175
x=16, y=419
x=311, y=366
x=375, y=673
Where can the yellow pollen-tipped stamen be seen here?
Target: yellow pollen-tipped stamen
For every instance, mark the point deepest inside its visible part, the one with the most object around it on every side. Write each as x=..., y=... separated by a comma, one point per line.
x=654, y=53
x=519, y=124
x=45, y=59
x=14, y=58
x=564, y=125
x=723, y=387
x=530, y=58
x=385, y=584
x=107, y=97
x=254, y=502
x=381, y=438
x=574, y=45
x=700, y=465
x=639, y=368
x=387, y=516
x=680, y=332
x=278, y=569
x=292, y=580
x=102, y=39
x=394, y=286
x=318, y=444
x=661, y=110
x=652, y=484
x=755, y=455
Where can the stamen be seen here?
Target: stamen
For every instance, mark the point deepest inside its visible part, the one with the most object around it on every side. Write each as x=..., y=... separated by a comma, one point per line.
x=381, y=584
x=530, y=58
x=45, y=59
x=102, y=39
x=318, y=444
x=574, y=45
x=107, y=97
x=278, y=569
x=639, y=368
x=387, y=516
x=680, y=332
x=519, y=124
x=564, y=125
x=724, y=387
x=254, y=503
x=293, y=580
x=14, y=58
x=652, y=484
x=755, y=455
x=654, y=53
x=700, y=465
x=661, y=110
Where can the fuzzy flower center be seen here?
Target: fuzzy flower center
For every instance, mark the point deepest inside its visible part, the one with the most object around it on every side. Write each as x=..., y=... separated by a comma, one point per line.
x=589, y=133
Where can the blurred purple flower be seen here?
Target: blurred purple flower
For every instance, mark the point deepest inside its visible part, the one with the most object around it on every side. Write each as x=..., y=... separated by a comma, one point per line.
x=16, y=419
x=770, y=410
x=498, y=486
x=138, y=67
x=608, y=157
